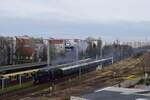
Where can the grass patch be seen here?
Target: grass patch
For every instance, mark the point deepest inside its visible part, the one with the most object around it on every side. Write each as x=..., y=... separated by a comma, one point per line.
x=16, y=87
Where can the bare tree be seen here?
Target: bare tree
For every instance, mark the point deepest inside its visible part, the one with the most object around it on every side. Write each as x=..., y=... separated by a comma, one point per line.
x=6, y=50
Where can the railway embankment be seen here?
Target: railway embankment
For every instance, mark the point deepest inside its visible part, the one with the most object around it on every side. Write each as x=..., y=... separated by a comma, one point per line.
x=122, y=72
x=108, y=76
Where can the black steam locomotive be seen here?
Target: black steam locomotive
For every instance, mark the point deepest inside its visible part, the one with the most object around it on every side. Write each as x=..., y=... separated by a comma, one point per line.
x=51, y=74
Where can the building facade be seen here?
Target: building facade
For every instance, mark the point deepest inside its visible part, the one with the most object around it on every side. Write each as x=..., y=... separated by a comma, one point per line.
x=29, y=49
x=6, y=50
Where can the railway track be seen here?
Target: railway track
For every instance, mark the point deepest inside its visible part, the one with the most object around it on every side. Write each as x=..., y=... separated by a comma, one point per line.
x=90, y=81
x=23, y=92
x=99, y=81
x=31, y=90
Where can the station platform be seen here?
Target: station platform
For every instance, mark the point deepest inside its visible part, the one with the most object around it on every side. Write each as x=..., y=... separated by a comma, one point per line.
x=21, y=67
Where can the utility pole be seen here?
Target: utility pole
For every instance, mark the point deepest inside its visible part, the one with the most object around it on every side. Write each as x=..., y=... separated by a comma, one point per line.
x=101, y=51
x=146, y=66
x=77, y=58
x=100, y=56
x=48, y=64
x=145, y=73
x=48, y=53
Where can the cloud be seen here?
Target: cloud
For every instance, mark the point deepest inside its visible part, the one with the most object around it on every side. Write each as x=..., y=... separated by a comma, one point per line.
x=77, y=10
x=34, y=27
x=75, y=18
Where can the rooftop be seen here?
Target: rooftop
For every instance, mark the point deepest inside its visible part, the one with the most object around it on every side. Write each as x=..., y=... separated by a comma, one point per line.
x=116, y=93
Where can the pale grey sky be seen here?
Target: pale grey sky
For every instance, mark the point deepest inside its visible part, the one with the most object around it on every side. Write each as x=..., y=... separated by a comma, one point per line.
x=70, y=18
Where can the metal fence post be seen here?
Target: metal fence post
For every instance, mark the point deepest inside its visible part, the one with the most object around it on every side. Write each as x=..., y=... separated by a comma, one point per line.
x=3, y=83
x=20, y=80
x=112, y=60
